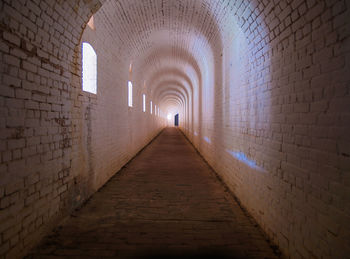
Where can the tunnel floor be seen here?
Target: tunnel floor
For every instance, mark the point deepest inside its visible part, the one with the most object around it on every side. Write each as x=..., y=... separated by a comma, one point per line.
x=165, y=203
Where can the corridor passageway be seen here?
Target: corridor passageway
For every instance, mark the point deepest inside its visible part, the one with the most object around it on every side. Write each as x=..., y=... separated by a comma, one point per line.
x=260, y=88
x=165, y=202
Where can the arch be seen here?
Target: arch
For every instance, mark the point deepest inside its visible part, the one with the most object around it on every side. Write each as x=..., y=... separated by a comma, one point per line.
x=184, y=58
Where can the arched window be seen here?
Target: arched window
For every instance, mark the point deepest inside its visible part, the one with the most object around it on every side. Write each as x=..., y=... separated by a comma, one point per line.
x=89, y=60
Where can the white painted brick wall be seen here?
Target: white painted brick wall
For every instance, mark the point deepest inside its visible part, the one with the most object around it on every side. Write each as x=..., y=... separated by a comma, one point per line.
x=45, y=170
x=267, y=105
x=300, y=195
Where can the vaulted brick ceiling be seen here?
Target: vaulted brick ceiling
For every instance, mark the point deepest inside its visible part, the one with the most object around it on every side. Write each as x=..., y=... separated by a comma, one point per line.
x=174, y=43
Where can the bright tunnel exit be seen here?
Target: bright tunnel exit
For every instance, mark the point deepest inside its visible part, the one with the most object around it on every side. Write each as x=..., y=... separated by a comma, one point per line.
x=172, y=115
x=173, y=120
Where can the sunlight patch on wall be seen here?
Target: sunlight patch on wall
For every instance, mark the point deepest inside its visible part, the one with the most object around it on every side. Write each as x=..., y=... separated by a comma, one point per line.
x=207, y=139
x=244, y=159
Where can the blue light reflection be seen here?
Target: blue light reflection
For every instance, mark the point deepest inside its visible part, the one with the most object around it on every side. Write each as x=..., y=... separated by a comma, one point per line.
x=207, y=139
x=244, y=159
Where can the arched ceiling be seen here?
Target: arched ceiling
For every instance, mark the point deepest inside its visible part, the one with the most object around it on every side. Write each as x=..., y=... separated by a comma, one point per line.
x=174, y=45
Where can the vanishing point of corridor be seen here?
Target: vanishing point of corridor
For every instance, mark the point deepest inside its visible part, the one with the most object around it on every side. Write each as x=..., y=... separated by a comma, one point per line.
x=260, y=88
x=166, y=202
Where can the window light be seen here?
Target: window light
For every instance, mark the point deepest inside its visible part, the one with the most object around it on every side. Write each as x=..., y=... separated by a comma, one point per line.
x=91, y=23
x=144, y=103
x=89, y=62
x=151, y=107
x=130, y=94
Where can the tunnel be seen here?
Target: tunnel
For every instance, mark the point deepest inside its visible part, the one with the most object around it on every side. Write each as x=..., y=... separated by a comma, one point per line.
x=261, y=92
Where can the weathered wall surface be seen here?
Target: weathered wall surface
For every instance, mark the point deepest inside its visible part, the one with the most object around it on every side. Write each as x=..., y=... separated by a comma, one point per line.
x=279, y=131
x=58, y=144
x=262, y=88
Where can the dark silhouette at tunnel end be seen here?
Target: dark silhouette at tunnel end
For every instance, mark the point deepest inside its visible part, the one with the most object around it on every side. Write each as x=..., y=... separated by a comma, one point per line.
x=176, y=123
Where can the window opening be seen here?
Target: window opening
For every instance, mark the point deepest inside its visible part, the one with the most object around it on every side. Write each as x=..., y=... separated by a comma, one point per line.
x=89, y=71
x=129, y=94
x=176, y=122
x=144, y=103
x=91, y=23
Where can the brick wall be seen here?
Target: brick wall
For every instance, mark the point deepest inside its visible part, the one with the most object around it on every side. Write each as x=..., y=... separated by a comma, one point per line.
x=278, y=136
x=58, y=144
x=262, y=88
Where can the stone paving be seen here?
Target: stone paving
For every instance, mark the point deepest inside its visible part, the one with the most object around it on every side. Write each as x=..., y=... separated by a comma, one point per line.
x=165, y=203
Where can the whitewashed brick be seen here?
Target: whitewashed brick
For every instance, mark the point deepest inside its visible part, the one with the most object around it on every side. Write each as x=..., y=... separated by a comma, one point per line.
x=12, y=38
x=11, y=81
x=29, y=67
x=269, y=79
x=11, y=60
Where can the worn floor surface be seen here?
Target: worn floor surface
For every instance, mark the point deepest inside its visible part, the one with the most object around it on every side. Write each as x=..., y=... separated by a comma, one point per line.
x=166, y=203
